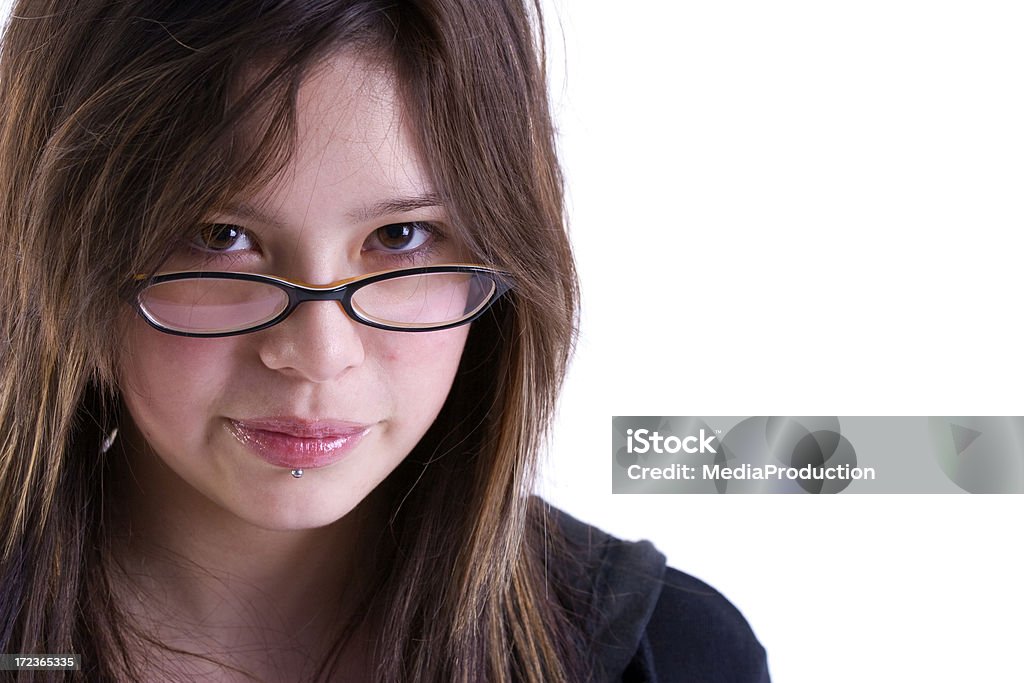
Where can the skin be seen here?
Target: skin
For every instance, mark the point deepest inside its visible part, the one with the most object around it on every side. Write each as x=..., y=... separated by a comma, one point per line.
x=224, y=547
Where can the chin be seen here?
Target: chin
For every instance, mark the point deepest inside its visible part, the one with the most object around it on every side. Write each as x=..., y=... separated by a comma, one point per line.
x=294, y=513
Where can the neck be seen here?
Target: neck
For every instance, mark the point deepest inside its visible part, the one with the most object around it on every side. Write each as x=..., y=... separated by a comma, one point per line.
x=195, y=575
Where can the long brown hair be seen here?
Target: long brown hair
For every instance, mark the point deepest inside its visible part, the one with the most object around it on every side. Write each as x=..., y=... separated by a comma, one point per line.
x=118, y=132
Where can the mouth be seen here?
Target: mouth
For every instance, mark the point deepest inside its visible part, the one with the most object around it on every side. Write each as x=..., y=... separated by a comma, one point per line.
x=295, y=443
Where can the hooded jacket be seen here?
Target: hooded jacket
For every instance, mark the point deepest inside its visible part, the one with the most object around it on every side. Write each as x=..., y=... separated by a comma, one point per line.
x=649, y=623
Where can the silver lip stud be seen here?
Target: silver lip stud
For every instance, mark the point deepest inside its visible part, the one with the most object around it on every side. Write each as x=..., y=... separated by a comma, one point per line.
x=297, y=474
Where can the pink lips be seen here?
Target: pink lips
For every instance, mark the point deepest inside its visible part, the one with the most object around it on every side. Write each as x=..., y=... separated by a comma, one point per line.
x=294, y=443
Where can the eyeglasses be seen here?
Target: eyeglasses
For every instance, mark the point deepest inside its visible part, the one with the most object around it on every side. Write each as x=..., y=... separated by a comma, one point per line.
x=223, y=304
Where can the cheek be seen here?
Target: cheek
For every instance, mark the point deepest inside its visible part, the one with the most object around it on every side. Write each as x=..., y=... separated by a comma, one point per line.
x=169, y=380
x=421, y=366
x=431, y=352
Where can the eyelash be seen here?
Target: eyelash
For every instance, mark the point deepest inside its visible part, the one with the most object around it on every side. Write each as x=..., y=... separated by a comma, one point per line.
x=209, y=255
x=433, y=239
x=435, y=236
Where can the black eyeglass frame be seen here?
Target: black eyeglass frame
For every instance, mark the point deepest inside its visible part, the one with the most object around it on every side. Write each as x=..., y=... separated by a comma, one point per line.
x=341, y=291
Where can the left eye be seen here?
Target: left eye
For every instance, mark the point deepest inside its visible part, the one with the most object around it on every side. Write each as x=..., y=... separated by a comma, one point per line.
x=222, y=237
x=400, y=237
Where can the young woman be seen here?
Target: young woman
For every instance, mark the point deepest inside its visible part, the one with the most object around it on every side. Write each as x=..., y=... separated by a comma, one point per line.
x=287, y=303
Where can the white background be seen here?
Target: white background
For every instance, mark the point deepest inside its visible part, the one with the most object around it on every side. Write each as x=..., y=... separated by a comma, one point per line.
x=803, y=208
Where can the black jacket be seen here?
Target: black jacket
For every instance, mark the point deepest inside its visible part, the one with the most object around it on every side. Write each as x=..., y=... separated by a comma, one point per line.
x=653, y=624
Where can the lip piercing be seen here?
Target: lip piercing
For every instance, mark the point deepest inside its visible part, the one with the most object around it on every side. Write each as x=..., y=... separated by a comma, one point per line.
x=297, y=474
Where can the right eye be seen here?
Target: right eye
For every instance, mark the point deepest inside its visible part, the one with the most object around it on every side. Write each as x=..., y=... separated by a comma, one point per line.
x=221, y=238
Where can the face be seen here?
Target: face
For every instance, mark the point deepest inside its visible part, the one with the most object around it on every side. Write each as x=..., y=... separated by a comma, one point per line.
x=221, y=423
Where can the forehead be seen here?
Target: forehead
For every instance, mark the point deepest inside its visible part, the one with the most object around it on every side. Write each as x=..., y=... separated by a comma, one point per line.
x=353, y=140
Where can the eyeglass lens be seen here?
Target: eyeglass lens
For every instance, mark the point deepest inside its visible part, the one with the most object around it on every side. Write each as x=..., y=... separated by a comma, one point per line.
x=218, y=305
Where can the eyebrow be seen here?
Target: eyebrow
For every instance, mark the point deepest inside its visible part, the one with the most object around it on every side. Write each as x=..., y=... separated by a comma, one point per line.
x=397, y=205
x=386, y=207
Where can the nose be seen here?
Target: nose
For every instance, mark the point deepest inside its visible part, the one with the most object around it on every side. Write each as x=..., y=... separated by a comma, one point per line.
x=317, y=342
